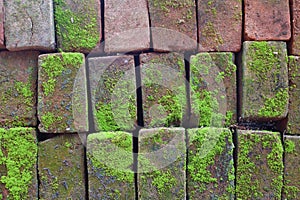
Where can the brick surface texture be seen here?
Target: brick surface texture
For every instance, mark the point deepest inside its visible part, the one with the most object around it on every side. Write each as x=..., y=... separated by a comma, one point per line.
x=2, y=46
x=295, y=42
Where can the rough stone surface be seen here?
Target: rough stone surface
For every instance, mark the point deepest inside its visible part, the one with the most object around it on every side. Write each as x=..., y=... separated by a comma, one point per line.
x=61, y=168
x=220, y=25
x=17, y=85
x=29, y=25
x=162, y=164
x=78, y=24
x=2, y=46
x=265, y=81
x=173, y=25
x=163, y=87
x=295, y=42
x=126, y=26
x=213, y=90
x=210, y=164
x=62, y=93
x=259, y=165
x=291, y=187
x=267, y=20
x=18, y=174
x=113, y=90
x=110, y=163
x=294, y=93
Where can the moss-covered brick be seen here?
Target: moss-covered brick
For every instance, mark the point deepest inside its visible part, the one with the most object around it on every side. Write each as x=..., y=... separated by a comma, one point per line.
x=2, y=45
x=110, y=166
x=78, y=24
x=213, y=89
x=174, y=24
x=265, y=81
x=162, y=164
x=18, y=153
x=61, y=168
x=18, y=74
x=291, y=186
x=294, y=44
x=113, y=90
x=29, y=25
x=210, y=164
x=294, y=94
x=259, y=165
x=220, y=25
x=163, y=86
x=62, y=98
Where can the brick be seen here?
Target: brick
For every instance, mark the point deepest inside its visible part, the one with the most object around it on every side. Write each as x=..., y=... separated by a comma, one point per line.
x=294, y=93
x=110, y=162
x=291, y=187
x=162, y=163
x=2, y=45
x=113, y=89
x=18, y=72
x=267, y=20
x=259, y=165
x=18, y=174
x=163, y=88
x=126, y=26
x=210, y=164
x=173, y=25
x=78, y=25
x=62, y=95
x=61, y=168
x=29, y=25
x=220, y=25
x=265, y=81
x=213, y=89
x=294, y=44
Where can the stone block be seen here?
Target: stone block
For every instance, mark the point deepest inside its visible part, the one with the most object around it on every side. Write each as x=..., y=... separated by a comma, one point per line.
x=29, y=25
x=220, y=25
x=62, y=93
x=18, y=74
x=113, y=90
x=162, y=164
x=210, y=164
x=267, y=20
x=259, y=165
x=126, y=26
x=213, y=90
x=78, y=25
x=173, y=25
x=110, y=166
x=18, y=174
x=265, y=81
x=2, y=45
x=294, y=44
x=61, y=168
x=163, y=88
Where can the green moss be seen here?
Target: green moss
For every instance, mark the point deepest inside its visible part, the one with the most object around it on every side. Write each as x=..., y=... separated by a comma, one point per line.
x=211, y=32
x=289, y=146
x=49, y=119
x=25, y=91
x=18, y=155
x=291, y=192
x=163, y=181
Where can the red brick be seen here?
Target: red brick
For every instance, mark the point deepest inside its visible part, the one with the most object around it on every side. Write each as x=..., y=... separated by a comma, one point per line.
x=267, y=20
x=295, y=42
x=1, y=25
x=220, y=25
x=126, y=26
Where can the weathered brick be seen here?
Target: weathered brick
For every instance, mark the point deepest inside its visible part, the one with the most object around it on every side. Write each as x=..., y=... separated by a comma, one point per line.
x=113, y=89
x=220, y=25
x=213, y=89
x=265, y=81
x=173, y=25
x=294, y=94
x=291, y=187
x=18, y=174
x=210, y=164
x=18, y=72
x=126, y=26
x=2, y=46
x=29, y=25
x=78, y=24
x=294, y=44
x=267, y=20
x=61, y=168
x=259, y=165
x=110, y=162
x=162, y=163
x=163, y=87
x=62, y=95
